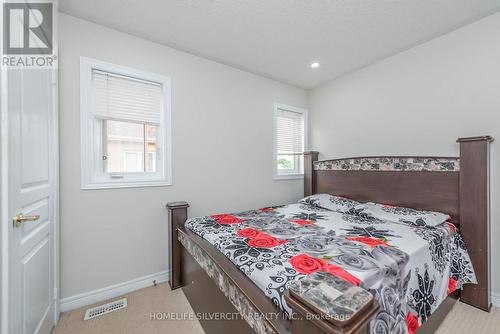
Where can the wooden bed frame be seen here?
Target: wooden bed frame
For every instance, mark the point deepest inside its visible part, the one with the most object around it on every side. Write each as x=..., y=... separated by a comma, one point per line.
x=213, y=284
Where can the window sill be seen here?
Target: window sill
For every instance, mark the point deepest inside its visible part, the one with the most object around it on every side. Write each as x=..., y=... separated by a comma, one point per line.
x=131, y=184
x=288, y=177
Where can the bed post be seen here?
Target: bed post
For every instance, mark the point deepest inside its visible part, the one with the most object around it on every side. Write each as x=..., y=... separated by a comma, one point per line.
x=475, y=216
x=309, y=158
x=177, y=214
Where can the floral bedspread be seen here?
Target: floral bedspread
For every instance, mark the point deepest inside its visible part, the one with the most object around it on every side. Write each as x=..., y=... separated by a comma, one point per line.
x=409, y=269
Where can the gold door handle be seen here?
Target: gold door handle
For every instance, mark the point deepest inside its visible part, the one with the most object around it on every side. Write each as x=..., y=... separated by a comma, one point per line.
x=20, y=218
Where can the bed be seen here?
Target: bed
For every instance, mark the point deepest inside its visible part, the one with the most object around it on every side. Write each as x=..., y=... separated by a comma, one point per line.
x=240, y=264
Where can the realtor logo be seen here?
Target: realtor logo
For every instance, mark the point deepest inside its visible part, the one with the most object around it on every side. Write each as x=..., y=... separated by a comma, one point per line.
x=28, y=35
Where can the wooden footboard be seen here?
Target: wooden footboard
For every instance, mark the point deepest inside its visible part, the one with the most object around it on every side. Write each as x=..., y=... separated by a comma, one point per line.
x=206, y=297
x=177, y=212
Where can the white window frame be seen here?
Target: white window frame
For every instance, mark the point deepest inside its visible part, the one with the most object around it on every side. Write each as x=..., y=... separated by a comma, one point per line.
x=92, y=171
x=153, y=160
x=279, y=106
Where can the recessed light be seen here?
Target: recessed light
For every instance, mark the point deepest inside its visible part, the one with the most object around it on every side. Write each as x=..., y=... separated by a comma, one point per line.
x=315, y=65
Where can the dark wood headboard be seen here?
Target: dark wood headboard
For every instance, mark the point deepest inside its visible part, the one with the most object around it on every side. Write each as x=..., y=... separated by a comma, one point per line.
x=458, y=186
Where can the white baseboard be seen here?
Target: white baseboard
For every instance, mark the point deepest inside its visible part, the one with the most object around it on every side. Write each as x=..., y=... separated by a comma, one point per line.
x=95, y=296
x=495, y=299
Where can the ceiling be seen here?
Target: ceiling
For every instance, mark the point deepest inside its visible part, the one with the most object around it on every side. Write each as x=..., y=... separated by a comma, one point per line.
x=279, y=39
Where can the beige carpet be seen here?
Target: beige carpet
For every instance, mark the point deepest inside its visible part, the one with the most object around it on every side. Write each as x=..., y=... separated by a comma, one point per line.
x=136, y=317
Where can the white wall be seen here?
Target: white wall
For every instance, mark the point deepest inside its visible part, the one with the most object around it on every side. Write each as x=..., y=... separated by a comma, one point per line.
x=418, y=103
x=222, y=156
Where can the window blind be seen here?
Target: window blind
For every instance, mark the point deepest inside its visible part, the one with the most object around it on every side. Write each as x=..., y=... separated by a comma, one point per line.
x=126, y=98
x=290, y=132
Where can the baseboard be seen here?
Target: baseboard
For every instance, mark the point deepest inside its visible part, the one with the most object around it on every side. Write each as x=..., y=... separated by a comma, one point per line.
x=95, y=296
x=495, y=299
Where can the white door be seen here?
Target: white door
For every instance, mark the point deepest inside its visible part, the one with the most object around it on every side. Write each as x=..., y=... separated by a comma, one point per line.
x=32, y=198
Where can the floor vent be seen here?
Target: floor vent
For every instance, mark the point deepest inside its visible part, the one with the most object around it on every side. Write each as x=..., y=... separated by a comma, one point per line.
x=94, y=312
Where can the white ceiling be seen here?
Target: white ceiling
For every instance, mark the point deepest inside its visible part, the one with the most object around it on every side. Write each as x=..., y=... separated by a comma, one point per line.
x=280, y=38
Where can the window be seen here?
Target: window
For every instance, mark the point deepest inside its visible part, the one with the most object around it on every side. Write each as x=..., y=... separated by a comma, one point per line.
x=290, y=126
x=125, y=119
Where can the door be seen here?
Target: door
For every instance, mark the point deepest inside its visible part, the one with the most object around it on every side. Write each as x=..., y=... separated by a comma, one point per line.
x=32, y=199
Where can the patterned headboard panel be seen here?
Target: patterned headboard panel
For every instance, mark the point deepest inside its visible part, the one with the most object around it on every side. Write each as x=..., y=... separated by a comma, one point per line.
x=425, y=183
x=417, y=164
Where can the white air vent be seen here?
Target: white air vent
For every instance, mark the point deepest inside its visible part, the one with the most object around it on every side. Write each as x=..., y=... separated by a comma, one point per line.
x=106, y=308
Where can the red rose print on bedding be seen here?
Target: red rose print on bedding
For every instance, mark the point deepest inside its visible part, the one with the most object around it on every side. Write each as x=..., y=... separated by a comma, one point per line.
x=302, y=222
x=372, y=242
x=452, y=285
x=227, y=219
x=265, y=241
x=452, y=227
x=341, y=273
x=411, y=323
x=266, y=209
x=259, y=239
x=248, y=233
x=306, y=264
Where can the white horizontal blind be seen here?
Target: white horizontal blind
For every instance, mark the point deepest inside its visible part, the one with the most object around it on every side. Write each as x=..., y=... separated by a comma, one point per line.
x=125, y=98
x=289, y=132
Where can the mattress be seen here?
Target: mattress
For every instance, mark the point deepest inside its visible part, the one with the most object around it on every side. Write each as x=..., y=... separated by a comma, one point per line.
x=409, y=269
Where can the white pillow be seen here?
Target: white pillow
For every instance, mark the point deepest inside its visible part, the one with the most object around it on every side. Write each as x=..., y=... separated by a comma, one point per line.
x=330, y=202
x=404, y=215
